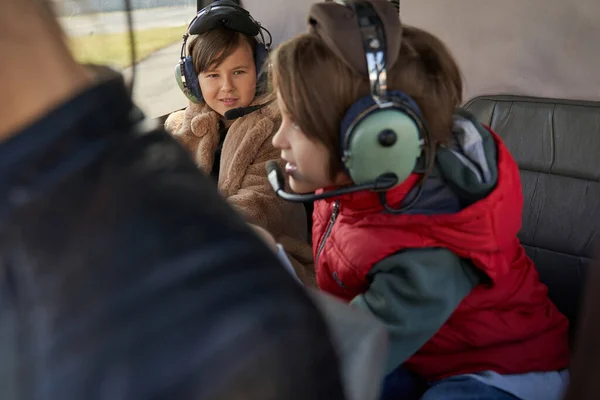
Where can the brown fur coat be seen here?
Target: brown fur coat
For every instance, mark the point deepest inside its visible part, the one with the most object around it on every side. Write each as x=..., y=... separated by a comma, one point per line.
x=242, y=176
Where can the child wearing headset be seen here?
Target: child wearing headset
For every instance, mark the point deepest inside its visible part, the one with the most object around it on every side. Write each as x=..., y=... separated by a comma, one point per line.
x=221, y=73
x=434, y=252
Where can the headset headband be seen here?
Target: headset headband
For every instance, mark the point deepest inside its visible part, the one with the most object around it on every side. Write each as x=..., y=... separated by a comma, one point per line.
x=374, y=44
x=228, y=15
x=342, y=31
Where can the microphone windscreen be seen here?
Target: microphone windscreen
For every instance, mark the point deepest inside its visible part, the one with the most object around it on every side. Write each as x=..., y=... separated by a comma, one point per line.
x=234, y=113
x=271, y=166
x=275, y=175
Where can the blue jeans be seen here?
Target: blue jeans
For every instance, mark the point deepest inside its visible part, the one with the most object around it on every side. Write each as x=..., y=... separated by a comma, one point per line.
x=403, y=385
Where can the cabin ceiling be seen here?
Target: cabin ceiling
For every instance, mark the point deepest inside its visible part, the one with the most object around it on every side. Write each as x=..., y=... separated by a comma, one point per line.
x=543, y=48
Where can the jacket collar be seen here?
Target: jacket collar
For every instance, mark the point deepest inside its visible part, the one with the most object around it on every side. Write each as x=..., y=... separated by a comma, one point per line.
x=368, y=201
x=203, y=120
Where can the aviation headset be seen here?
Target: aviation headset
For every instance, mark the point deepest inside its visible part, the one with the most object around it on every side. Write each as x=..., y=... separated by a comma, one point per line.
x=382, y=134
x=227, y=14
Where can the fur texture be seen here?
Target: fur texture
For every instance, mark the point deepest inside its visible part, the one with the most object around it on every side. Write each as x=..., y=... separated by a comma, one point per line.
x=242, y=177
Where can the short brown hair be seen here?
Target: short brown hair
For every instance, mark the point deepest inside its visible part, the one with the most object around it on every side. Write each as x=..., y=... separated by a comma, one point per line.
x=317, y=87
x=213, y=47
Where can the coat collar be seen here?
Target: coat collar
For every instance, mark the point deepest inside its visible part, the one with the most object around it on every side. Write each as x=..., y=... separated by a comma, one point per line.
x=368, y=201
x=246, y=137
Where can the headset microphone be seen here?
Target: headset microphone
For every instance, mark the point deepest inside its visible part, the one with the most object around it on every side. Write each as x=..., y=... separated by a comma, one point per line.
x=239, y=112
x=277, y=181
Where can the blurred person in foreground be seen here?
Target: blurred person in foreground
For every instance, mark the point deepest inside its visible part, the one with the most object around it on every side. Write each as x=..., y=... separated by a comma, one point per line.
x=124, y=275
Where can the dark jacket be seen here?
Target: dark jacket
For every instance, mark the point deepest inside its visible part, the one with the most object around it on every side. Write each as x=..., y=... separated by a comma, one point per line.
x=125, y=275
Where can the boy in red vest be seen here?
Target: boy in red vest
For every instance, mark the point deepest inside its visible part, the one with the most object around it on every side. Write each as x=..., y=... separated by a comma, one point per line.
x=436, y=257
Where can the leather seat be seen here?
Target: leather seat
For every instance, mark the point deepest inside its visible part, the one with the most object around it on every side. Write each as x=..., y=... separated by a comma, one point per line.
x=557, y=146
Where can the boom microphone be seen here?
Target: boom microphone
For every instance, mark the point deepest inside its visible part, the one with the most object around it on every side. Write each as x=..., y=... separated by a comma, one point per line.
x=277, y=181
x=239, y=112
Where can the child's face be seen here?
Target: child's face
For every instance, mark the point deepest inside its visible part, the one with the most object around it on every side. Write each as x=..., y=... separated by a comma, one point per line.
x=307, y=160
x=231, y=84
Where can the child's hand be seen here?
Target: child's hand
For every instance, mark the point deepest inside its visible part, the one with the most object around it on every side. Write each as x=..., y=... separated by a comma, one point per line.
x=266, y=237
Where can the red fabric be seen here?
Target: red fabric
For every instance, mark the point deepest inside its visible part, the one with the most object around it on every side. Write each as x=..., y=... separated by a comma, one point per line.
x=508, y=325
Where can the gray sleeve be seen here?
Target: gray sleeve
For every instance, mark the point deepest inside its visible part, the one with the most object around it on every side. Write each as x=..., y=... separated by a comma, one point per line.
x=414, y=292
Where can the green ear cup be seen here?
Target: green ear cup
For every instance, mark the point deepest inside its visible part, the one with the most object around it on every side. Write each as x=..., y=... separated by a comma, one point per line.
x=178, y=77
x=384, y=142
x=187, y=92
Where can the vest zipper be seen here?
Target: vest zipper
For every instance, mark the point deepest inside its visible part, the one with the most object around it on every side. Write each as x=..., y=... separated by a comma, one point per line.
x=334, y=214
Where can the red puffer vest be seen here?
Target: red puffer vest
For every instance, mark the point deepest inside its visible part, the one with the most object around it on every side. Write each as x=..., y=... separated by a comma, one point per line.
x=508, y=325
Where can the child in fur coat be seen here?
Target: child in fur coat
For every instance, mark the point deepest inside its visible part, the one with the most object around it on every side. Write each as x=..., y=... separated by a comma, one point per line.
x=235, y=152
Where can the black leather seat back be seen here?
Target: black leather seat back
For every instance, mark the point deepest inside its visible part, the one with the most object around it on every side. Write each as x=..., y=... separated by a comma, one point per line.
x=557, y=146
